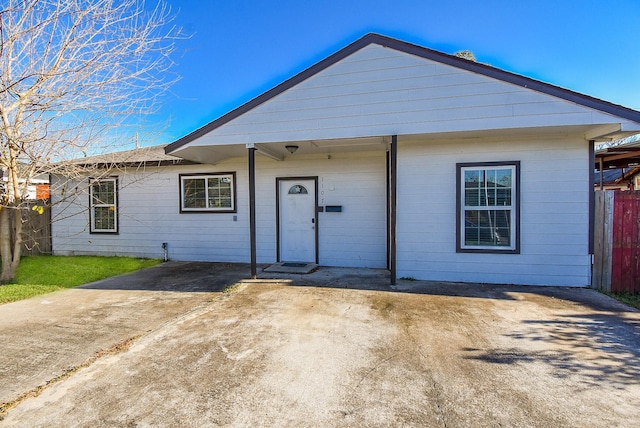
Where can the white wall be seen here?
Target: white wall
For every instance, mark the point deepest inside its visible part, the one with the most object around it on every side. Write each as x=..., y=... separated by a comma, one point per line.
x=149, y=214
x=554, y=212
x=380, y=91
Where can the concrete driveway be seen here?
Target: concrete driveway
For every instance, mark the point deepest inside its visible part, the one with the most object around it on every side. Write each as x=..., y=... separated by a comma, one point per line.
x=273, y=353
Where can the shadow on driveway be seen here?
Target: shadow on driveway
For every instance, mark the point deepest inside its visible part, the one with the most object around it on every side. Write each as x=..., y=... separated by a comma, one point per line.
x=594, y=347
x=177, y=276
x=590, y=336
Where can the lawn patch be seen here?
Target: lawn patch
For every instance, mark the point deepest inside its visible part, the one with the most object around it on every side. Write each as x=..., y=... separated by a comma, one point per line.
x=44, y=274
x=626, y=298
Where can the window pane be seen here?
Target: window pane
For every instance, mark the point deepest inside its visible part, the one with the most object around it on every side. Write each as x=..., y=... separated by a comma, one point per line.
x=472, y=178
x=194, y=193
x=488, y=188
x=503, y=177
x=104, y=218
x=490, y=179
x=503, y=197
x=472, y=197
x=103, y=192
x=219, y=192
x=487, y=227
x=472, y=187
x=298, y=189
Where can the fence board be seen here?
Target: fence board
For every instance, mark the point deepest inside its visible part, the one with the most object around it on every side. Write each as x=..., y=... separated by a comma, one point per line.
x=625, y=270
x=36, y=233
x=603, y=240
x=598, y=237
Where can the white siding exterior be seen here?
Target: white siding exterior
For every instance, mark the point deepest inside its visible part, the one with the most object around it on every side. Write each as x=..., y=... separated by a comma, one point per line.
x=149, y=214
x=379, y=91
x=554, y=212
x=441, y=114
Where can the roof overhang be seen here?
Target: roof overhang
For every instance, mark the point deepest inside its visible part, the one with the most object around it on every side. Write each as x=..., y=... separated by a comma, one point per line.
x=211, y=152
x=612, y=132
x=279, y=151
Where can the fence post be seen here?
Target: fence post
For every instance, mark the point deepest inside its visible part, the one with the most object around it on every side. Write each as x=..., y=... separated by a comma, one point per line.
x=603, y=240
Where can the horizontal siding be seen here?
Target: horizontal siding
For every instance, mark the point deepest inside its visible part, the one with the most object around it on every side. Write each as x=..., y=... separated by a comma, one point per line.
x=378, y=91
x=554, y=212
x=149, y=214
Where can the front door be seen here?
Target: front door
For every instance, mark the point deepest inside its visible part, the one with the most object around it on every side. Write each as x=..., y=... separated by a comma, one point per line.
x=297, y=220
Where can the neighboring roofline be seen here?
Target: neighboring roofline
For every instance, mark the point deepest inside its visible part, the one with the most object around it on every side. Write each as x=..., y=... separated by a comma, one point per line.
x=634, y=170
x=138, y=157
x=138, y=164
x=409, y=48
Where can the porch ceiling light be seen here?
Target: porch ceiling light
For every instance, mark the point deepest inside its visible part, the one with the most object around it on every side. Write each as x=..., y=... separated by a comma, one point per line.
x=292, y=148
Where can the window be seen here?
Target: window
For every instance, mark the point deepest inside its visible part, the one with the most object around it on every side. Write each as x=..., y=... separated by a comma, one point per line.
x=208, y=193
x=103, y=201
x=488, y=207
x=298, y=189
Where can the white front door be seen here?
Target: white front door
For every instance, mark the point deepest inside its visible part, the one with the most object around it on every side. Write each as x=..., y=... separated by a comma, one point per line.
x=297, y=212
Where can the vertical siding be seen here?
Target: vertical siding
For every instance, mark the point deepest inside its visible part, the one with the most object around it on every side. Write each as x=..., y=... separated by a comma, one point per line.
x=149, y=213
x=554, y=212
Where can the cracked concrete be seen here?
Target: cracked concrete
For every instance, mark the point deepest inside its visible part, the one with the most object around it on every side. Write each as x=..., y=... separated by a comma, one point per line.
x=442, y=355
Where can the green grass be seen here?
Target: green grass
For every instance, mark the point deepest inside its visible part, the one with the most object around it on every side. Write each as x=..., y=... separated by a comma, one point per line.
x=44, y=274
x=626, y=298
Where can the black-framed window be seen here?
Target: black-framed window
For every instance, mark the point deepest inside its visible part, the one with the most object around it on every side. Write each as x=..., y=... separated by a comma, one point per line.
x=103, y=205
x=215, y=192
x=488, y=207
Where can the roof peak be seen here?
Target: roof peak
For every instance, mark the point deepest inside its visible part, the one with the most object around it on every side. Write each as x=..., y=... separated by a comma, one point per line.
x=422, y=52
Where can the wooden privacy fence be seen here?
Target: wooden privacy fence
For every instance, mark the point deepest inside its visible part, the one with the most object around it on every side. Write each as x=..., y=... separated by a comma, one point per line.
x=616, y=265
x=36, y=232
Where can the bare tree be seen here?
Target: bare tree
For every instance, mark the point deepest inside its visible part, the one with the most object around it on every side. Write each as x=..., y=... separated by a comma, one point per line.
x=73, y=73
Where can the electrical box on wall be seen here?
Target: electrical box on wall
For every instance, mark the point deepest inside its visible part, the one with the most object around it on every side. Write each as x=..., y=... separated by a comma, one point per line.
x=333, y=208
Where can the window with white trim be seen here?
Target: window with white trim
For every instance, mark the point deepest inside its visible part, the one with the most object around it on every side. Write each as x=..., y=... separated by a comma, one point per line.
x=488, y=207
x=208, y=193
x=103, y=203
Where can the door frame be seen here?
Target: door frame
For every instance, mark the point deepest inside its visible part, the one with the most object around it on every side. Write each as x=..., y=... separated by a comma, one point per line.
x=315, y=211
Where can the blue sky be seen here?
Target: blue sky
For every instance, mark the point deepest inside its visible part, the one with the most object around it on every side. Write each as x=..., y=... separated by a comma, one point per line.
x=241, y=48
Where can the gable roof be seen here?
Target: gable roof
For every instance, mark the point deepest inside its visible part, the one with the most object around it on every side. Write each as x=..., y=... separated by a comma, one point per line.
x=419, y=51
